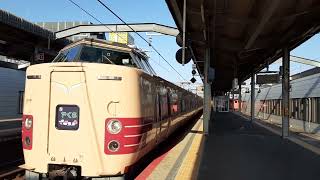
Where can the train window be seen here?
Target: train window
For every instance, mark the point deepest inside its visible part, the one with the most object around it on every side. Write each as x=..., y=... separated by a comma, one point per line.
x=68, y=55
x=150, y=68
x=146, y=68
x=137, y=61
x=106, y=56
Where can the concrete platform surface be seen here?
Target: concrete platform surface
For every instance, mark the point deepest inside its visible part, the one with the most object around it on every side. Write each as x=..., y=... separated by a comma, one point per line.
x=181, y=160
x=240, y=150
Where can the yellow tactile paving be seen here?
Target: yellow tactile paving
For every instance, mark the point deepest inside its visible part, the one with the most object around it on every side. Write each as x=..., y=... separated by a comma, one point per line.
x=171, y=167
x=163, y=169
x=190, y=164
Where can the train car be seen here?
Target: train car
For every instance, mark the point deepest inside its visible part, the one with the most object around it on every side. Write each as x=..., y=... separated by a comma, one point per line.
x=304, y=103
x=96, y=110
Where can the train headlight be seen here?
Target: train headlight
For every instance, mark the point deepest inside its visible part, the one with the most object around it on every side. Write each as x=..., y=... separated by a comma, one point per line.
x=28, y=123
x=114, y=126
x=113, y=146
x=27, y=141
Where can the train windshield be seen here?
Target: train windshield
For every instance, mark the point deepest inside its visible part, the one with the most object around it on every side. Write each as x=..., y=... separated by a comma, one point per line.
x=95, y=55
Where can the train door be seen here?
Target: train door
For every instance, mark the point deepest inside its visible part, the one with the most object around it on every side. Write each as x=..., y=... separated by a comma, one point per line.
x=70, y=118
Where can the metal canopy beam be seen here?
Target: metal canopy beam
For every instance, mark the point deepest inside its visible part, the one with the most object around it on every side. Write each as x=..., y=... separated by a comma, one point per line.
x=271, y=7
x=138, y=27
x=305, y=61
x=174, y=8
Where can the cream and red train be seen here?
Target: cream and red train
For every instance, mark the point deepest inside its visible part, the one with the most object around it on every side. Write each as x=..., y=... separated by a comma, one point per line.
x=96, y=110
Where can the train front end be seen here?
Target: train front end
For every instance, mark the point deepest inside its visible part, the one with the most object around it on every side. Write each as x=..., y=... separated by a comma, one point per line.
x=78, y=120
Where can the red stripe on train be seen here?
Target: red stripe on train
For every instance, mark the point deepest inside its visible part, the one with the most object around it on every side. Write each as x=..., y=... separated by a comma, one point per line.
x=132, y=136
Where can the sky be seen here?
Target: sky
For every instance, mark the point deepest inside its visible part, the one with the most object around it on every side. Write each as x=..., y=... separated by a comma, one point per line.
x=145, y=11
x=142, y=11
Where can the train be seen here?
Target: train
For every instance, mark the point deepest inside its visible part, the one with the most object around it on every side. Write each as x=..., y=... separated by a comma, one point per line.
x=304, y=103
x=96, y=110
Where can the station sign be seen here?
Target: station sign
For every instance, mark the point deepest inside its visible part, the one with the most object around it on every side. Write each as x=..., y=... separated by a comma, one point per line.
x=268, y=78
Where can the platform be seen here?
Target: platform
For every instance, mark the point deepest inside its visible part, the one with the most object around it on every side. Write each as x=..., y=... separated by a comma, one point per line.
x=236, y=149
x=239, y=149
x=180, y=161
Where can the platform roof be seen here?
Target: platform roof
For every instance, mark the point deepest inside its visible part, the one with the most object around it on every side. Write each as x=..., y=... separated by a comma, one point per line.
x=19, y=37
x=244, y=36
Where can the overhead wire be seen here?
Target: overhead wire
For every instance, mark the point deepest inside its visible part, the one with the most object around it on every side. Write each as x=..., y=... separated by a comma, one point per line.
x=110, y=10
x=92, y=16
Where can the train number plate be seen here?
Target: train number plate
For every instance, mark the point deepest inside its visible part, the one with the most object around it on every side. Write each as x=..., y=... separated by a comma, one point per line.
x=67, y=117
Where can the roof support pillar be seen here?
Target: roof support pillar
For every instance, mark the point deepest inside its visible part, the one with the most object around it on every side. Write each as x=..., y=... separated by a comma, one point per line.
x=184, y=31
x=285, y=92
x=207, y=94
x=253, y=99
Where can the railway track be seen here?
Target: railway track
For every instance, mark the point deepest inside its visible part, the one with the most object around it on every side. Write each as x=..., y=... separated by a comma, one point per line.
x=11, y=157
x=14, y=173
x=10, y=169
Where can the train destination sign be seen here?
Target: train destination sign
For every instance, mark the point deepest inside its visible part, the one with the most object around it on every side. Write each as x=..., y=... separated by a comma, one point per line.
x=67, y=117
